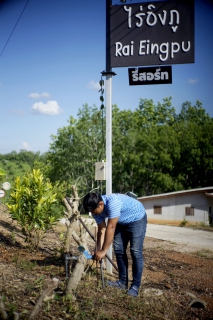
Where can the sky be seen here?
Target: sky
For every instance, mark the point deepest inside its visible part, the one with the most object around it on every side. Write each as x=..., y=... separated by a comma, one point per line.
x=52, y=54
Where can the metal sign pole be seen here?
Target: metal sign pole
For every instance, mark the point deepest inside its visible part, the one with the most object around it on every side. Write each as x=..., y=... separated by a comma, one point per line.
x=108, y=92
x=108, y=98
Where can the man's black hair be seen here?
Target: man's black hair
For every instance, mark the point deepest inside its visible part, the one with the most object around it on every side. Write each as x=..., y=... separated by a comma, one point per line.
x=91, y=201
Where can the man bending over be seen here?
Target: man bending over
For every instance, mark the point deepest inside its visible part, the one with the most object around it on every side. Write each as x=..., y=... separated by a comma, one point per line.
x=126, y=223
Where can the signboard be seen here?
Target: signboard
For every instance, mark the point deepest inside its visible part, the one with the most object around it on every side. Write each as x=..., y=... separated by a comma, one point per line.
x=150, y=75
x=2, y=193
x=100, y=171
x=152, y=33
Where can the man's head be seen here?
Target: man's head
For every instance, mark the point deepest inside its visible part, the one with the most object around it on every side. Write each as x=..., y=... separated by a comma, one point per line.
x=93, y=203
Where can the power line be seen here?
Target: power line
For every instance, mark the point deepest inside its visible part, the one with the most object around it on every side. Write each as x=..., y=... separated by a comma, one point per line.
x=14, y=27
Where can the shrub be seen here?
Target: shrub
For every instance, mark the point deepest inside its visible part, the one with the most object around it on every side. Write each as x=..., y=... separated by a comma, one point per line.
x=31, y=204
x=183, y=223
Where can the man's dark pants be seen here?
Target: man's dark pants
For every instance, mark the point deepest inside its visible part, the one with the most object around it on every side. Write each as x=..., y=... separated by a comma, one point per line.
x=133, y=233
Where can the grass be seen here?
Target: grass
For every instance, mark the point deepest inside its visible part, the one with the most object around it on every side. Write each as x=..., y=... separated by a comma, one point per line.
x=204, y=253
x=201, y=226
x=183, y=223
x=24, y=264
x=115, y=304
x=27, y=265
x=92, y=302
x=13, y=169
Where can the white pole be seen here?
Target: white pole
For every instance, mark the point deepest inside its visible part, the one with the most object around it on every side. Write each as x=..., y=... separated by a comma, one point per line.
x=108, y=97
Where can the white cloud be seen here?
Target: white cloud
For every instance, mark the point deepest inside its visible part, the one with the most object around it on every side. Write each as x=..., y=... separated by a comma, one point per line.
x=192, y=81
x=17, y=112
x=35, y=95
x=50, y=108
x=45, y=95
x=25, y=146
x=93, y=85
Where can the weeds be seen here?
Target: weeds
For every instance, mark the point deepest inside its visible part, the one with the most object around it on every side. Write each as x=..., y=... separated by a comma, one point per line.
x=26, y=265
x=12, y=235
x=203, y=225
x=11, y=309
x=37, y=284
x=205, y=253
x=15, y=258
x=183, y=223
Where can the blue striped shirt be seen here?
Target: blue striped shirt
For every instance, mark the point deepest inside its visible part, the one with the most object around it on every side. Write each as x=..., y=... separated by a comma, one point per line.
x=120, y=206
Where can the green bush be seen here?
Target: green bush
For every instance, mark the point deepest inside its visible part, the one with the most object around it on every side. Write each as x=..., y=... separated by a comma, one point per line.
x=2, y=174
x=183, y=223
x=32, y=204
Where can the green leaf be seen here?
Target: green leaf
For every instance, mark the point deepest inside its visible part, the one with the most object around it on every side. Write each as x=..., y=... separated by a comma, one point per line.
x=2, y=172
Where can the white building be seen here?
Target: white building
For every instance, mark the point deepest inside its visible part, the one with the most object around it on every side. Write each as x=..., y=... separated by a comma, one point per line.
x=195, y=206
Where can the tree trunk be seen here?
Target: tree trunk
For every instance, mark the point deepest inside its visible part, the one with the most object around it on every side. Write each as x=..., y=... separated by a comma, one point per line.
x=76, y=275
x=73, y=214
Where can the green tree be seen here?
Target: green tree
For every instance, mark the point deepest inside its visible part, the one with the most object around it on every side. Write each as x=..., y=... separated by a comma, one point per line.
x=195, y=114
x=144, y=148
x=122, y=125
x=17, y=164
x=31, y=204
x=23, y=156
x=76, y=148
x=194, y=129
x=154, y=150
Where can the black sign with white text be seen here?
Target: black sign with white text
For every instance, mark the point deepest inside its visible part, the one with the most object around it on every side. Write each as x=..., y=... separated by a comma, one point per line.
x=150, y=75
x=152, y=33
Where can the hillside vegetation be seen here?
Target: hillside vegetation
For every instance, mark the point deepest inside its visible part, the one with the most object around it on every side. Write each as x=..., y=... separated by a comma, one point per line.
x=154, y=150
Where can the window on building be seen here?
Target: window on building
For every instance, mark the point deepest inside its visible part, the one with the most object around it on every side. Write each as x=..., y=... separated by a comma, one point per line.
x=157, y=210
x=189, y=211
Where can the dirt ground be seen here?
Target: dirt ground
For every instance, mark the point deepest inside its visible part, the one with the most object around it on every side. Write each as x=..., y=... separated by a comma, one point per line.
x=170, y=279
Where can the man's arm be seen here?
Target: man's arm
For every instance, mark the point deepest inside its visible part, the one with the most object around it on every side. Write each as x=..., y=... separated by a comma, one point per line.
x=101, y=234
x=108, y=238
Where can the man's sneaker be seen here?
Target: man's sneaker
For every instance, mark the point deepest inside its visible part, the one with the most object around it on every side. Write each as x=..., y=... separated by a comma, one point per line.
x=133, y=291
x=116, y=284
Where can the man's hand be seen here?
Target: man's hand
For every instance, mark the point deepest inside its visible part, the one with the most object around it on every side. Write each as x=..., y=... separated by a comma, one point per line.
x=99, y=255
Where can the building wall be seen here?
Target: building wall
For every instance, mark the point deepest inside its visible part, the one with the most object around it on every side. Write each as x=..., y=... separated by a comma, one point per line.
x=173, y=207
